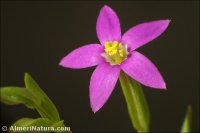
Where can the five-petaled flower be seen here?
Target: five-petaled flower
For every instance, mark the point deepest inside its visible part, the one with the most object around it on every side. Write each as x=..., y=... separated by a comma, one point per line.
x=115, y=53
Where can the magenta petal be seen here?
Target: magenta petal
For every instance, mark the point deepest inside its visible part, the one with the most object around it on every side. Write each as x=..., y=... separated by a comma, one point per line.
x=108, y=26
x=85, y=56
x=102, y=83
x=143, y=70
x=144, y=33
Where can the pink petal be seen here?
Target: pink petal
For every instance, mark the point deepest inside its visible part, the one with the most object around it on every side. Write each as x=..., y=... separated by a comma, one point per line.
x=143, y=70
x=108, y=26
x=102, y=83
x=144, y=33
x=85, y=56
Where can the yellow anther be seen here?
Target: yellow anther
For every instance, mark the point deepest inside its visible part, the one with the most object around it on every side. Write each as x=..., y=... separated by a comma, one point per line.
x=122, y=53
x=115, y=42
x=112, y=52
x=108, y=49
x=108, y=44
x=115, y=52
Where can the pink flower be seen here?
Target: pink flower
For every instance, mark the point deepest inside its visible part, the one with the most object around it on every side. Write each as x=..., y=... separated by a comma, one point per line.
x=115, y=53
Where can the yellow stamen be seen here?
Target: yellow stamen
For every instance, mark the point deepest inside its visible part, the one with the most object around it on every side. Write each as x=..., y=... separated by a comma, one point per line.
x=115, y=52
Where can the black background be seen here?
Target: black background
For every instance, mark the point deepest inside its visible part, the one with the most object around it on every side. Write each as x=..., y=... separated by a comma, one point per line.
x=36, y=35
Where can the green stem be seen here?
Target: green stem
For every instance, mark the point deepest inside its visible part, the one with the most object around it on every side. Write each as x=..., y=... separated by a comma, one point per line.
x=136, y=103
x=187, y=123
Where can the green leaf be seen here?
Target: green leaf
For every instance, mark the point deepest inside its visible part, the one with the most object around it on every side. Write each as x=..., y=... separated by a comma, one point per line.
x=26, y=122
x=136, y=103
x=45, y=106
x=16, y=95
x=186, y=127
x=33, y=97
x=59, y=124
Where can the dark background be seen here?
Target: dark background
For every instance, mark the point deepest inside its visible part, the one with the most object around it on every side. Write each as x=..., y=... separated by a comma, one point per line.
x=36, y=35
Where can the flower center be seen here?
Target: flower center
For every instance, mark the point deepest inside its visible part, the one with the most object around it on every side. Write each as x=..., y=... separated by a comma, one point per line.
x=115, y=52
